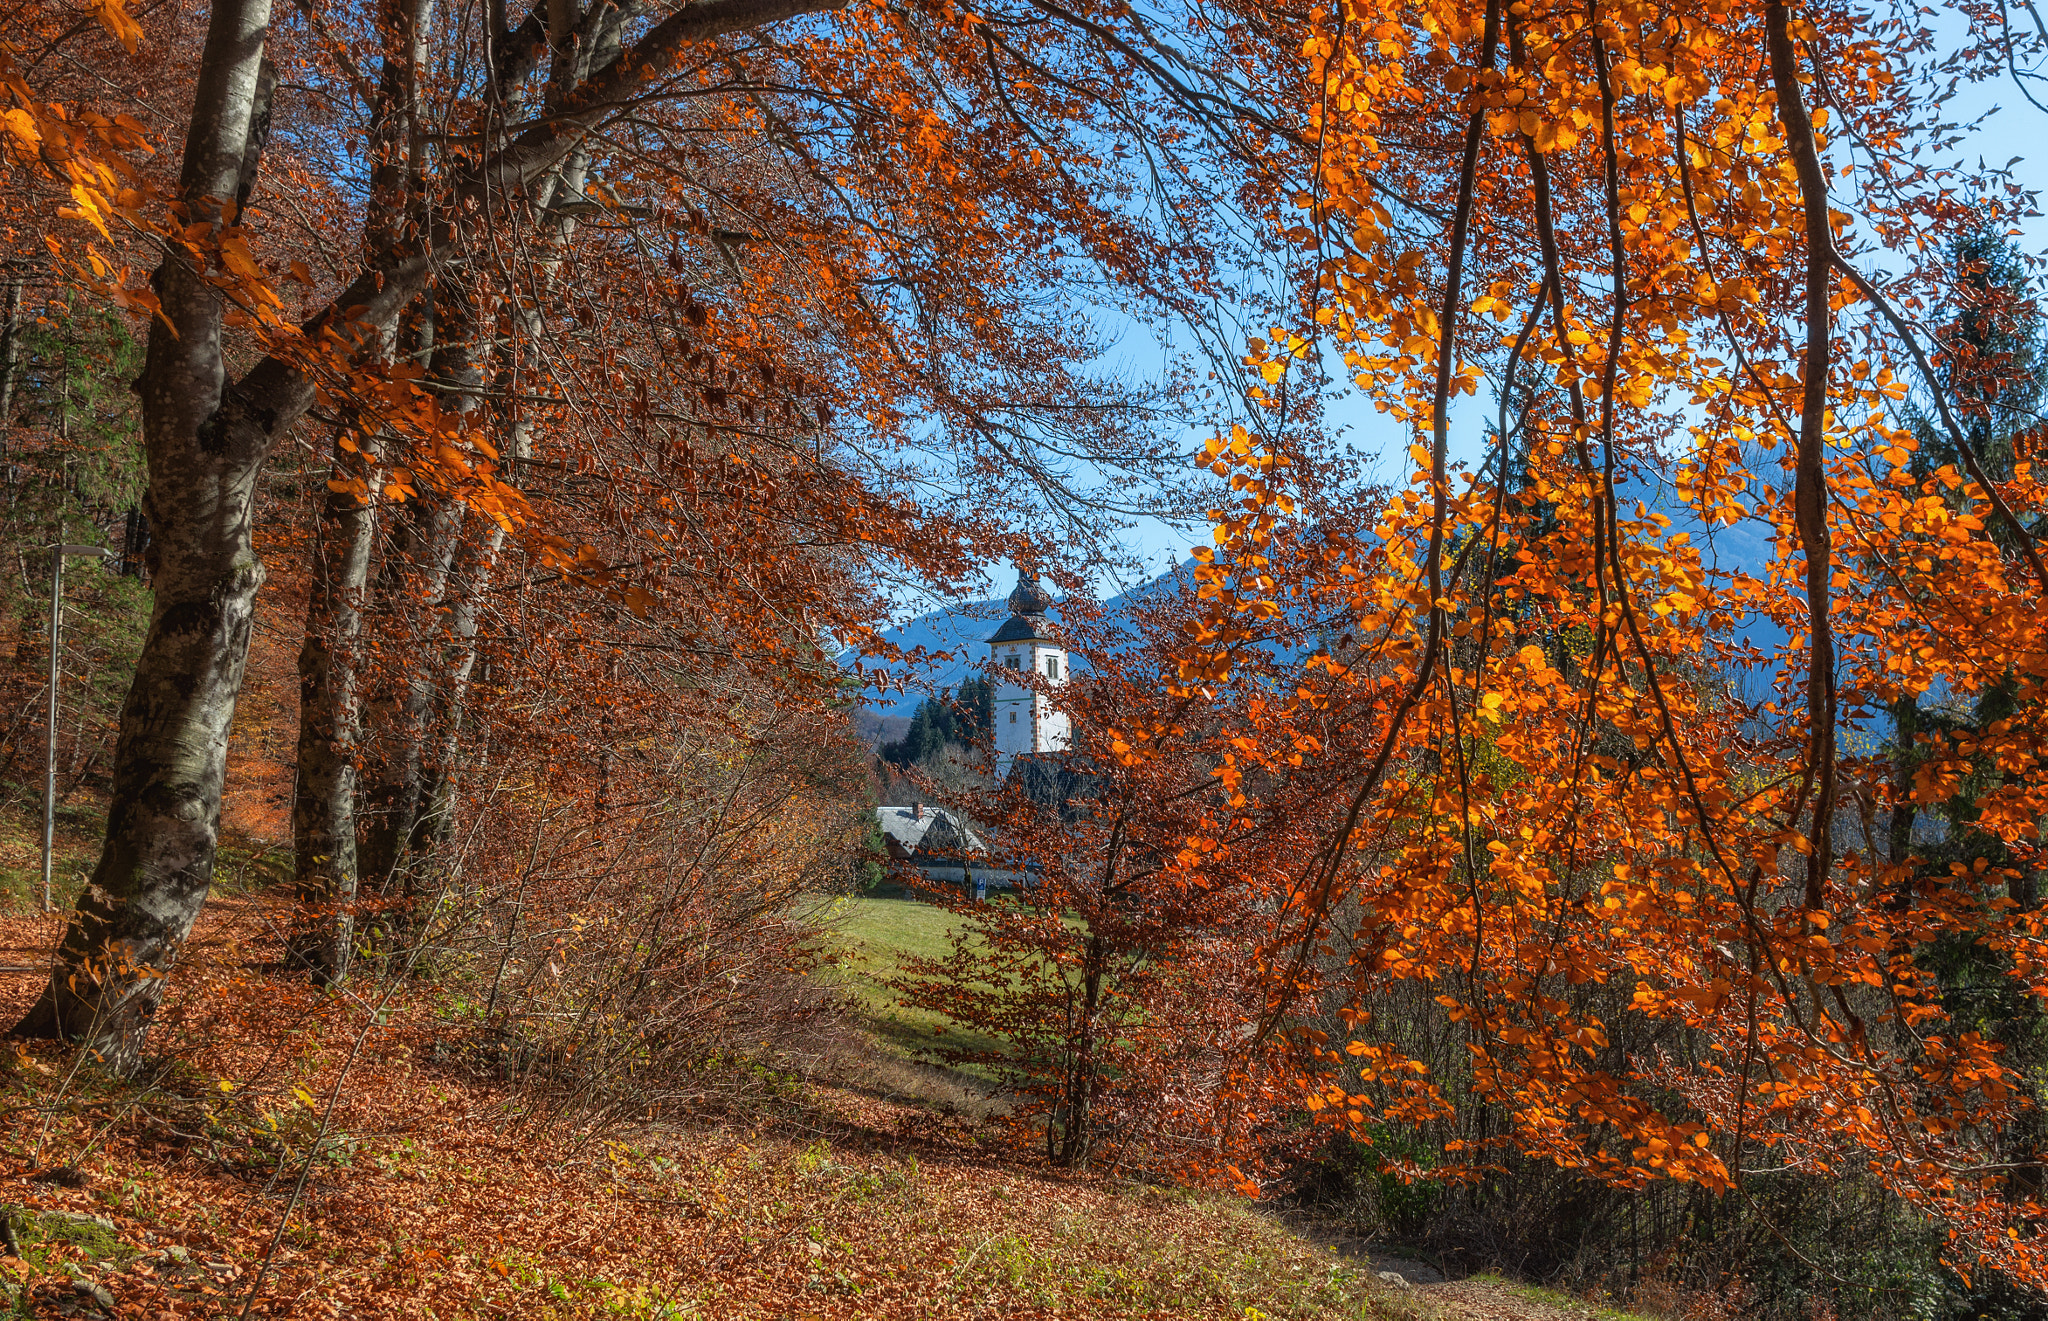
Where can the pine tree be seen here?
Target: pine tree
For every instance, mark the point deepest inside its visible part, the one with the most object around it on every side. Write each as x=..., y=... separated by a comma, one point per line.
x=959, y=720
x=1990, y=360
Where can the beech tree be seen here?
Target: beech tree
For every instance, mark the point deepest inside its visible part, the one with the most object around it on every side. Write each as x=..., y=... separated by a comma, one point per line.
x=796, y=297
x=206, y=438
x=204, y=448
x=1630, y=846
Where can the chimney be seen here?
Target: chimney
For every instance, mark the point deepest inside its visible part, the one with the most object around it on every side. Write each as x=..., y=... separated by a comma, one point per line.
x=917, y=811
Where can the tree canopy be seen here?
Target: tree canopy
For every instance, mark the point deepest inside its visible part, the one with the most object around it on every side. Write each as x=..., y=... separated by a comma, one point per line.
x=633, y=356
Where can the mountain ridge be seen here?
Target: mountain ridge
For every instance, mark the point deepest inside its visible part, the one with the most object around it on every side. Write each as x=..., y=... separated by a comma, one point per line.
x=963, y=631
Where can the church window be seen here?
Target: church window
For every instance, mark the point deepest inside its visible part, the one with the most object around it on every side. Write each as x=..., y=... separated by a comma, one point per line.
x=1013, y=717
x=1052, y=667
x=1013, y=662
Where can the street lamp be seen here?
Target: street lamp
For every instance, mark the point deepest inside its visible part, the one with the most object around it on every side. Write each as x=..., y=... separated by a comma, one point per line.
x=57, y=553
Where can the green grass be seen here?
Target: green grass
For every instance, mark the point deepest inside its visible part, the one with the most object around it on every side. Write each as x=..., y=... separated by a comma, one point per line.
x=250, y=869
x=871, y=938
x=53, y=1241
x=1173, y=1253
x=80, y=825
x=888, y=928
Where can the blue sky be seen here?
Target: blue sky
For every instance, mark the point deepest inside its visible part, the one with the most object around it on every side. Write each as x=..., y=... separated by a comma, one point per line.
x=2000, y=124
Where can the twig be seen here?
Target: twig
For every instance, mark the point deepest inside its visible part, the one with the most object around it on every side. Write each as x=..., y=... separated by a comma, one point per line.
x=961, y=1269
x=319, y=1138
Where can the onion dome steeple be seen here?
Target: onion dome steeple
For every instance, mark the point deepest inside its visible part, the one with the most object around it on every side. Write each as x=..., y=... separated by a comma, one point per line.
x=1029, y=598
x=1027, y=723
x=1028, y=605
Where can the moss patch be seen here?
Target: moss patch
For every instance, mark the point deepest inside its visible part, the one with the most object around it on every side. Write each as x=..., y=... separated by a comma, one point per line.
x=56, y=1243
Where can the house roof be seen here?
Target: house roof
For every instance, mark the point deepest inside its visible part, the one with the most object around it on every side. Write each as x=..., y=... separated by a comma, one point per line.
x=937, y=831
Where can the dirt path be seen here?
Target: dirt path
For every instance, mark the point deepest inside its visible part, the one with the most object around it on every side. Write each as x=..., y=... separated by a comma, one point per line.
x=1481, y=1298
x=1487, y=1299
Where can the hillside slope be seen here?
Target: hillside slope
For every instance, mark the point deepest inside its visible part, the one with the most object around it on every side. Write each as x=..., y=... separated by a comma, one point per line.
x=431, y=1187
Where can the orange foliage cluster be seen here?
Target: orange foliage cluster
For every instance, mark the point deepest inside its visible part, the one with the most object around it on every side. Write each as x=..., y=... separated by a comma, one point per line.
x=1477, y=738
x=1658, y=904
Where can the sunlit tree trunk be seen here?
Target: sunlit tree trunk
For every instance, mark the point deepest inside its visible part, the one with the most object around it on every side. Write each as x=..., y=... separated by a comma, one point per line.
x=451, y=564
x=10, y=356
x=473, y=577
x=205, y=446
x=422, y=550
x=330, y=716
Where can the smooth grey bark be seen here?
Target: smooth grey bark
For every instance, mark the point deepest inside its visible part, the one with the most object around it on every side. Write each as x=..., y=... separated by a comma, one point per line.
x=417, y=750
x=407, y=791
x=10, y=355
x=205, y=445
x=330, y=705
x=440, y=751
x=330, y=717
x=205, y=441
x=417, y=563
x=258, y=136
x=474, y=573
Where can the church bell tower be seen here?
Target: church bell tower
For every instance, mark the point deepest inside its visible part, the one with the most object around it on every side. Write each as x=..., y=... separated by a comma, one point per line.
x=1026, y=721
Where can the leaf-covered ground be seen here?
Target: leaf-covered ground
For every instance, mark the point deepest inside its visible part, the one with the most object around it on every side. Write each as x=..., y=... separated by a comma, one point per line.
x=428, y=1196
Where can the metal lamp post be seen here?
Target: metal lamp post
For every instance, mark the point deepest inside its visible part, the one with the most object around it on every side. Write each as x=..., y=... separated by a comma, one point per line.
x=57, y=554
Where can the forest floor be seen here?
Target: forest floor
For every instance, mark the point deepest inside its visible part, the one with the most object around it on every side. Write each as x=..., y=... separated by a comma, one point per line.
x=333, y=1158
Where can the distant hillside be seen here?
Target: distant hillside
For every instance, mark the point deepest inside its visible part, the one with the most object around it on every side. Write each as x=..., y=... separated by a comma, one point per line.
x=964, y=630
x=875, y=729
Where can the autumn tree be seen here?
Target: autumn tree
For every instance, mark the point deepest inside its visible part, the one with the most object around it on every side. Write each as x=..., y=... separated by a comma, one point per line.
x=1664, y=919
x=740, y=293
x=1120, y=966
x=206, y=440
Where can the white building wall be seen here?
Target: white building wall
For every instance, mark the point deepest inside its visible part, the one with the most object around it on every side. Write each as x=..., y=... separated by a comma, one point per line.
x=1026, y=721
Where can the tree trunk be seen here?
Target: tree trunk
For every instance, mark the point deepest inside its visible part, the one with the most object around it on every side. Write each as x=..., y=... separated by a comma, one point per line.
x=415, y=582
x=205, y=446
x=330, y=723
x=1077, y=1139
x=330, y=716
x=10, y=357
x=1810, y=482
x=473, y=576
x=1905, y=759
x=419, y=731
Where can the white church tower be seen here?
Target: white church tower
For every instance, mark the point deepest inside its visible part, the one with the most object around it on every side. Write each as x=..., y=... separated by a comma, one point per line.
x=1027, y=723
